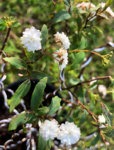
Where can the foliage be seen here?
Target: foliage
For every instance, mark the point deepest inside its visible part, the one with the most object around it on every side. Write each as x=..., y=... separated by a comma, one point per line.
x=90, y=64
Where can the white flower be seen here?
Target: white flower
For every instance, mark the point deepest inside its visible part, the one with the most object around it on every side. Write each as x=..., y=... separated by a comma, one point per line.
x=49, y=129
x=62, y=40
x=69, y=133
x=61, y=57
x=102, y=89
x=101, y=119
x=108, y=10
x=31, y=39
x=85, y=5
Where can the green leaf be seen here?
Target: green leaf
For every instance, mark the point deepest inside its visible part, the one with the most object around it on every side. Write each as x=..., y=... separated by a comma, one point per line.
x=2, y=25
x=61, y=16
x=30, y=55
x=93, y=97
x=1, y=21
x=95, y=141
x=11, y=48
x=18, y=63
x=107, y=4
x=67, y=3
x=107, y=114
x=37, y=95
x=42, y=144
x=17, y=120
x=97, y=30
x=54, y=106
x=82, y=43
x=15, y=24
x=110, y=133
x=39, y=75
x=78, y=59
x=22, y=90
x=83, y=118
x=20, y=119
x=44, y=35
x=81, y=94
x=42, y=111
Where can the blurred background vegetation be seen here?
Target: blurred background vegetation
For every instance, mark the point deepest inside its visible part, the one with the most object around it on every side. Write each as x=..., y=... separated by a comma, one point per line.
x=39, y=12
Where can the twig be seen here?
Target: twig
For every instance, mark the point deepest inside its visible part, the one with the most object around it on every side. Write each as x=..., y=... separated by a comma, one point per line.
x=83, y=106
x=80, y=83
x=87, y=20
x=5, y=41
x=104, y=140
x=91, y=113
x=99, y=49
x=67, y=101
x=85, y=50
x=46, y=51
x=74, y=86
x=90, y=18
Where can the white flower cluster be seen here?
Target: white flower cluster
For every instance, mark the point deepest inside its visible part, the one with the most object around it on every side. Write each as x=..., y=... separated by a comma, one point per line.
x=108, y=10
x=61, y=55
x=49, y=129
x=31, y=39
x=101, y=119
x=102, y=89
x=67, y=133
x=84, y=6
x=62, y=40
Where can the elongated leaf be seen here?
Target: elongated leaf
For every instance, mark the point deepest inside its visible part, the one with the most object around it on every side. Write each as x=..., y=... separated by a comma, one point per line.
x=81, y=94
x=42, y=111
x=78, y=59
x=95, y=140
x=42, y=144
x=107, y=115
x=61, y=16
x=108, y=3
x=44, y=35
x=17, y=120
x=82, y=44
x=67, y=3
x=2, y=25
x=20, y=120
x=54, y=106
x=110, y=133
x=37, y=95
x=11, y=48
x=39, y=75
x=22, y=90
x=2, y=21
x=18, y=63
